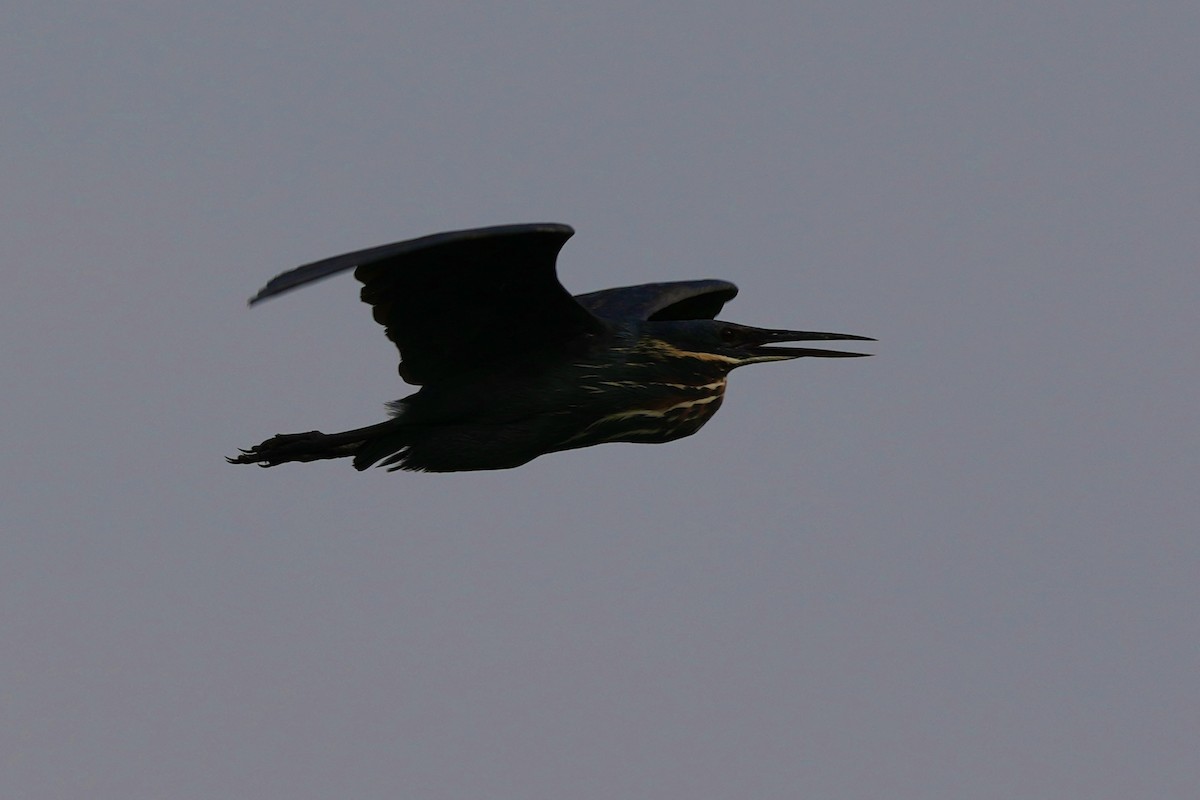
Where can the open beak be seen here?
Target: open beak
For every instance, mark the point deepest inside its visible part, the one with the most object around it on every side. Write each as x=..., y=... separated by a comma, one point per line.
x=759, y=338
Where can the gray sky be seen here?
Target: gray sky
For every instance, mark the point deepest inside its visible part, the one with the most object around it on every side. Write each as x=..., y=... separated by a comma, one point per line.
x=966, y=568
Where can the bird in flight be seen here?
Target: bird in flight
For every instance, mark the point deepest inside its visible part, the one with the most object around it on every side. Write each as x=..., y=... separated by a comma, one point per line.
x=512, y=367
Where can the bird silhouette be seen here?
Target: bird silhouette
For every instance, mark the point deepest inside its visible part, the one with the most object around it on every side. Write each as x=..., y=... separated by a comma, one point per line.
x=511, y=366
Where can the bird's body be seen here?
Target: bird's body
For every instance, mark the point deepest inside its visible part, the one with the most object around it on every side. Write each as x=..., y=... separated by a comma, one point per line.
x=512, y=367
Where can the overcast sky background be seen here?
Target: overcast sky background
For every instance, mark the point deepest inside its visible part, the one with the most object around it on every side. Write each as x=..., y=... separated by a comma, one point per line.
x=965, y=568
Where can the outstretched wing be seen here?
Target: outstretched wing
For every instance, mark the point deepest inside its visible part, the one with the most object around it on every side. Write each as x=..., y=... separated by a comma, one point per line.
x=453, y=301
x=661, y=301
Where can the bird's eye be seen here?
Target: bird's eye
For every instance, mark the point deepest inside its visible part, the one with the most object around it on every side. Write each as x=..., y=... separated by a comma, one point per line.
x=728, y=335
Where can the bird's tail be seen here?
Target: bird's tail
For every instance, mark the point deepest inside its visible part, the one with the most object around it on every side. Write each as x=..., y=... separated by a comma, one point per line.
x=311, y=446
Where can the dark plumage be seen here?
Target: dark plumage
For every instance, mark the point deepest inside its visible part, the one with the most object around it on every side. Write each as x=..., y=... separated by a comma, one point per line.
x=512, y=367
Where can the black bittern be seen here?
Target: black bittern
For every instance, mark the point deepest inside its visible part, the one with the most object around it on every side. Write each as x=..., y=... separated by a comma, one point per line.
x=512, y=367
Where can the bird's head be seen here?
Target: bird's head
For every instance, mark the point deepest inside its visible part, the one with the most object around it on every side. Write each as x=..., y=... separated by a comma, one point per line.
x=727, y=345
